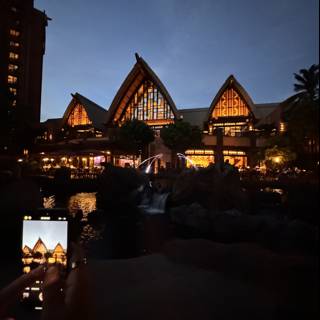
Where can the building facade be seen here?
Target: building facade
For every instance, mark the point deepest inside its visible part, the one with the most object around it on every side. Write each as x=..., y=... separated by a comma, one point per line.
x=143, y=96
x=22, y=46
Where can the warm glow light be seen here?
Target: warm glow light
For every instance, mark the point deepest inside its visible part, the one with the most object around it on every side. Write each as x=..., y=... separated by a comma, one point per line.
x=282, y=127
x=277, y=159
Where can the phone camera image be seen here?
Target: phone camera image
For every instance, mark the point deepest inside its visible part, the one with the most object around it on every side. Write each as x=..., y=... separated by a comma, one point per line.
x=44, y=241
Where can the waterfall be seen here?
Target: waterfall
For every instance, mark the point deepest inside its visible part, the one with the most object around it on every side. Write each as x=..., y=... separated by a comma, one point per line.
x=154, y=203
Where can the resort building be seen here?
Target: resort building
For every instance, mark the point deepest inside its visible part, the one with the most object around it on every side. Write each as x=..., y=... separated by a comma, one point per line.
x=41, y=254
x=22, y=46
x=231, y=122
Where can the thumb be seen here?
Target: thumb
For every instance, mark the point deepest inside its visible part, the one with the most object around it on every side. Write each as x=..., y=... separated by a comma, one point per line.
x=53, y=295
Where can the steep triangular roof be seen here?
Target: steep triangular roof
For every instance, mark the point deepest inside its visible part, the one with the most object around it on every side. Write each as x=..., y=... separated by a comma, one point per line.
x=58, y=248
x=26, y=249
x=39, y=246
x=232, y=82
x=138, y=73
x=96, y=114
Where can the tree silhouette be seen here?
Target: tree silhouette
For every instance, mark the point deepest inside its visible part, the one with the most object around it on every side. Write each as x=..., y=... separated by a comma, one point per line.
x=180, y=136
x=134, y=136
x=301, y=112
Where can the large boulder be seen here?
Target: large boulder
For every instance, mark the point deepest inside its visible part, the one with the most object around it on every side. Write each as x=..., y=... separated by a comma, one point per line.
x=211, y=188
x=117, y=188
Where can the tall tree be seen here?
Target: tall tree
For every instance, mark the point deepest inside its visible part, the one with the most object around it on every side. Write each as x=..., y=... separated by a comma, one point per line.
x=180, y=136
x=135, y=136
x=307, y=86
x=301, y=111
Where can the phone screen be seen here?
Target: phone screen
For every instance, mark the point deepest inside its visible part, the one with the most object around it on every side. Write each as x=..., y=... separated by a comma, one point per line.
x=44, y=241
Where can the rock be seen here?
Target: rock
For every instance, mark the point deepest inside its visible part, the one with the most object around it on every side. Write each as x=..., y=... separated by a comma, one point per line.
x=210, y=188
x=193, y=216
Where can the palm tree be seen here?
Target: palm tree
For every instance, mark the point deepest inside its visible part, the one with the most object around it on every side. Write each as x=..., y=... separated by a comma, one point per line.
x=301, y=111
x=307, y=86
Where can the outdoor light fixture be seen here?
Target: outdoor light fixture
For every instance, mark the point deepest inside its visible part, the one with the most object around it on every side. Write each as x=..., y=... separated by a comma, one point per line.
x=20, y=160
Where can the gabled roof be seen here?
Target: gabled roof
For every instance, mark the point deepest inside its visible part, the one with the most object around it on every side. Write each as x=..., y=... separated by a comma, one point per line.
x=26, y=249
x=138, y=73
x=232, y=82
x=58, y=248
x=54, y=123
x=96, y=114
x=39, y=246
x=195, y=116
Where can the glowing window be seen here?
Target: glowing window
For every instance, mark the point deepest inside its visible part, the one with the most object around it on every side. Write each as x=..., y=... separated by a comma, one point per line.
x=282, y=127
x=13, y=56
x=148, y=104
x=13, y=91
x=230, y=105
x=14, y=33
x=12, y=67
x=78, y=116
x=232, y=129
x=12, y=79
x=14, y=44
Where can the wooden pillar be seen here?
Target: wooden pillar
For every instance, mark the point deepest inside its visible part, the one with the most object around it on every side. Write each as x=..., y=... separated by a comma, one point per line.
x=218, y=155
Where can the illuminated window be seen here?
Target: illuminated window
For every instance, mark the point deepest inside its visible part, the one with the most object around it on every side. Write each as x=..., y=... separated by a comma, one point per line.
x=78, y=116
x=12, y=67
x=13, y=56
x=282, y=127
x=148, y=104
x=232, y=129
x=14, y=44
x=12, y=79
x=14, y=33
x=230, y=105
x=13, y=91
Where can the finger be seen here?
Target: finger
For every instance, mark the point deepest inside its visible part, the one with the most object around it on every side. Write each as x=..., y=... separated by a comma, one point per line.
x=77, y=296
x=13, y=291
x=53, y=295
x=77, y=252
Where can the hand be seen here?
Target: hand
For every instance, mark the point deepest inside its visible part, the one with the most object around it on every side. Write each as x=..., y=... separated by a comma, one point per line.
x=63, y=299
x=13, y=291
x=73, y=302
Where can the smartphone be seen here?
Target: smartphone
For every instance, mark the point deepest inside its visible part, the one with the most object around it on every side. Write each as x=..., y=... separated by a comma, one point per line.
x=44, y=241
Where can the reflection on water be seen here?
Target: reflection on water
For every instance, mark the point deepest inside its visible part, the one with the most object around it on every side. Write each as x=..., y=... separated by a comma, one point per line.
x=49, y=202
x=85, y=201
x=89, y=233
x=275, y=190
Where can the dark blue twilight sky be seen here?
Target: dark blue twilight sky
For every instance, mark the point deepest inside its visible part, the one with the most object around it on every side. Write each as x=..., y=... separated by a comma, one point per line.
x=193, y=46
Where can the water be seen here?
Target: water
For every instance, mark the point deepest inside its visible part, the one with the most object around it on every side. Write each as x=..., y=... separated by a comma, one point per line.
x=84, y=201
x=153, y=159
x=156, y=204
x=180, y=155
